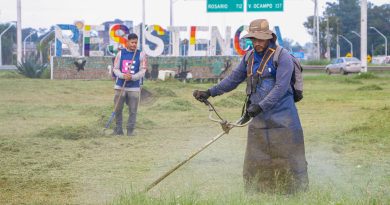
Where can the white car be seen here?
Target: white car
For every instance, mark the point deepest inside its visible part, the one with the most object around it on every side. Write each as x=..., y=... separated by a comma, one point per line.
x=344, y=65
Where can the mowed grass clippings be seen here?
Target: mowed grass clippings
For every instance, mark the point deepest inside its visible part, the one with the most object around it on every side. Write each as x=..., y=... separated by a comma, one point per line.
x=53, y=150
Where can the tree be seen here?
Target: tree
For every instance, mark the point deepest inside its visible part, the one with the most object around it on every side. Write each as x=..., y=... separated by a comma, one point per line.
x=322, y=26
x=344, y=17
x=297, y=48
x=287, y=43
x=378, y=17
x=7, y=42
x=292, y=46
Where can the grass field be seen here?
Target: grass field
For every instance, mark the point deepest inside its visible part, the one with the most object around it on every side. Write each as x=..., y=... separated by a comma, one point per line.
x=53, y=150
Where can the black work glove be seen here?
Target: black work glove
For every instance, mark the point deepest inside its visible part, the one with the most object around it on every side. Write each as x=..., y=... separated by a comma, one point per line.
x=202, y=96
x=298, y=95
x=253, y=110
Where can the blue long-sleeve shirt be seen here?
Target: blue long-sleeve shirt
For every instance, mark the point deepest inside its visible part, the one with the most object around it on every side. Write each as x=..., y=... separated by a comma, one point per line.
x=280, y=89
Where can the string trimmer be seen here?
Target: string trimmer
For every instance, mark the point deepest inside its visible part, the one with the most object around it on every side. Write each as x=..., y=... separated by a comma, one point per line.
x=226, y=127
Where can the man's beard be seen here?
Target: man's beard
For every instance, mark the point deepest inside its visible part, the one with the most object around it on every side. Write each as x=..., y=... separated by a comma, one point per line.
x=259, y=49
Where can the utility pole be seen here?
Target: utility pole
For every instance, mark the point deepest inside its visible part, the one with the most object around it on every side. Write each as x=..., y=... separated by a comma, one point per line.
x=363, y=32
x=314, y=30
x=143, y=25
x=327, y=39
x=19, y=32
x=170, y=24
x=316, y=33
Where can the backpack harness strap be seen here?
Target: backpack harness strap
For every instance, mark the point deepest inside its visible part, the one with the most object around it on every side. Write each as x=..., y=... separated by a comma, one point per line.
x=278, y=51
x=253, y=79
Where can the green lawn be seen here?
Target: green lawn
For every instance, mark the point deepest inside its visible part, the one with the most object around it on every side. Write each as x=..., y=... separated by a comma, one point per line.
x=53, y=151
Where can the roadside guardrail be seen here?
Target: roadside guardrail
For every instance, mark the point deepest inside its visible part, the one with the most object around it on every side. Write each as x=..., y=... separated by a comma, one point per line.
x=369, y=68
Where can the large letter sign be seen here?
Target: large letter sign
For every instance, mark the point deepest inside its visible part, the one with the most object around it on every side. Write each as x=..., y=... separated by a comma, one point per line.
x=89, y=40
x=109, y=39
x=159, y=43
x=193, y=41
x=70, y=42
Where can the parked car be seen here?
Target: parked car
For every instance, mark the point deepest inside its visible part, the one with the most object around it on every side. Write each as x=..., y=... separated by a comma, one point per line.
x=344, y=65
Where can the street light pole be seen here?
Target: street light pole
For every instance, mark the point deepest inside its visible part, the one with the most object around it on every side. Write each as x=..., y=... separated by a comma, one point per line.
x=24, y=45
x=170, y=24
x=350, y=43
x=363, y=33
x=1, y=48
x=337, y=47
x=383, y=37
x=356, y=33
x=40, y=45
x=143, y=25
x=19, y=31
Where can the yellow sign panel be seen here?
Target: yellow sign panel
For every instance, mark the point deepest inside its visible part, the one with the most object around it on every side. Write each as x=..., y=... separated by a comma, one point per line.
x=348, y=55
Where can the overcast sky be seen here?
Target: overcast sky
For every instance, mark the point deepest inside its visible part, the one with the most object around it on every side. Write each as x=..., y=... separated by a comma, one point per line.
x=45, y=13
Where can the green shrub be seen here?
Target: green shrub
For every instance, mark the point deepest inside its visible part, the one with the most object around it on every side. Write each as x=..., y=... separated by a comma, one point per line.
x=367, y=75
x=46, y=74
x=31, y=68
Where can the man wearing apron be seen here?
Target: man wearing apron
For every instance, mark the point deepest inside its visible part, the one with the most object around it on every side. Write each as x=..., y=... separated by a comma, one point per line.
x=275, y=154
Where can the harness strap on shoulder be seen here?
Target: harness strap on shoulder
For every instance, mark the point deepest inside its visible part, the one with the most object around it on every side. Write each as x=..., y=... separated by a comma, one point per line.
x=278, y=51
x=249, y=59
x=268, y=54
x=253, y=79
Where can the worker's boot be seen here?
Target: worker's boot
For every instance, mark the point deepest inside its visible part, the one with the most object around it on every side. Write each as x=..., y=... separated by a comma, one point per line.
x=130, y=132
x=118, y=131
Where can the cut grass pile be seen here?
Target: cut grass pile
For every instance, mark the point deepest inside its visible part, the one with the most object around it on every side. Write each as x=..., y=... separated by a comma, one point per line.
x=52, y=151
x=71, y=132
